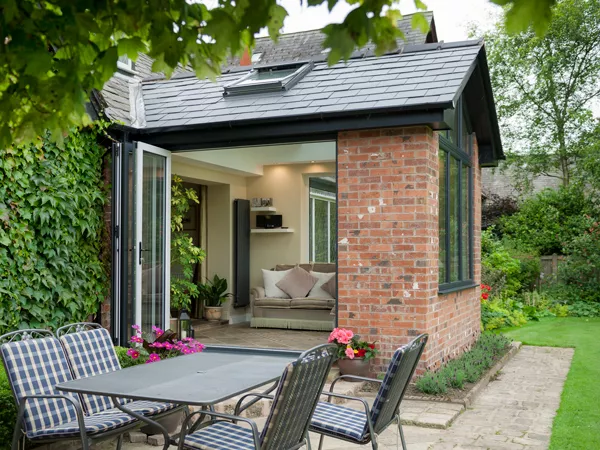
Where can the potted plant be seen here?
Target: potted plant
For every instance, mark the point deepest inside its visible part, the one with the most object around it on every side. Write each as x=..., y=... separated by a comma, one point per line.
x=213, y=294
x=353, y=353
x=147, y=348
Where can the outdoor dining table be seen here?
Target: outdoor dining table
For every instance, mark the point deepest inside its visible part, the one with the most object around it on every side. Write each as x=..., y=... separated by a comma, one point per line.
x=202, y=379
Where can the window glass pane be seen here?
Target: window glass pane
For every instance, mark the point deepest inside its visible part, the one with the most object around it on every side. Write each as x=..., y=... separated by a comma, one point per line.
x=454, y=224
x=321, y=243
x=268, y=75
x=332, y=231
x=442, y=216
x=465, y=223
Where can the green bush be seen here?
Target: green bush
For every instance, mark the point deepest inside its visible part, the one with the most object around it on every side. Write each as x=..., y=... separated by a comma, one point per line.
x=501, y=313
x=8, y=411
x=548, y=221
x=125, y=360
x=584, y=309
x=469, y=367
x=52, y=231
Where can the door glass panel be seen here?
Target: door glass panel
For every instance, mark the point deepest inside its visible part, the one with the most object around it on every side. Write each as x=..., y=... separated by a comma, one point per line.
x=153, y=240
x=131, y=240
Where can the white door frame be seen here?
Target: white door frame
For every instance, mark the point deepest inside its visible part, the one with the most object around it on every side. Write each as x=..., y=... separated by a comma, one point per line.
x=140, y=148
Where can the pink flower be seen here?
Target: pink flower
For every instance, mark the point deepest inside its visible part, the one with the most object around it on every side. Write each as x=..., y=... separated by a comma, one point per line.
x=157, y=345
x=134, y=354
x=136, y=328
x=349, y=353
x=153, y=358
x=136, y=339
x=157, y=331
x=341, y=335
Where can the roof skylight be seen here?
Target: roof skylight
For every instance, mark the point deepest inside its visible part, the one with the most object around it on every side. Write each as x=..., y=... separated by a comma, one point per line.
x=269, y=79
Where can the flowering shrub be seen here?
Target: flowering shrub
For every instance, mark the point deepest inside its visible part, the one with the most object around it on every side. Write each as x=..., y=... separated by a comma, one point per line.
x=485, y=291
x=157, y=345
x=350, y=346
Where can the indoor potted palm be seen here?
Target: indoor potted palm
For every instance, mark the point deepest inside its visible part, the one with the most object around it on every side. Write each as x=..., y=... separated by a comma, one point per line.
x=213, y=294
x=353, y=353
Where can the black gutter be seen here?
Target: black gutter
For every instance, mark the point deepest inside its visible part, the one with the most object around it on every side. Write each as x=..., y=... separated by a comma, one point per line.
x=287, y=129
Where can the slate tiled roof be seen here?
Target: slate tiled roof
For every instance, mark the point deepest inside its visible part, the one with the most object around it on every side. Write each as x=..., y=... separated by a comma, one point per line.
x=423, y=75
x=309, y=44
x=290, y=47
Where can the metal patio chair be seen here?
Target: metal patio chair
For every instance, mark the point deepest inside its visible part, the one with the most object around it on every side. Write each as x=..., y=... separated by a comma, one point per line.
x=286, y=427
x=90, y=352
x=35, y=362
x=362, y=427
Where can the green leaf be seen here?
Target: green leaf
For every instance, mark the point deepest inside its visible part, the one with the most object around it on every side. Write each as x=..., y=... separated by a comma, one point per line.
x=131, y=47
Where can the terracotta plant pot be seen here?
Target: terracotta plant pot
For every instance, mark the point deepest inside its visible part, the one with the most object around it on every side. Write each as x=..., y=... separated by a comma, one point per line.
x=357, y=366
x=213, y=312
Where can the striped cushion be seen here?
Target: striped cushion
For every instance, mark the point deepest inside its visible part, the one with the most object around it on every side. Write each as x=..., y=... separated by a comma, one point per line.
x=93, y=425
x=34, y=367
x=339, y=420
x=143, y=407
x=221, y=436
x=91, y=353
x=384, y=389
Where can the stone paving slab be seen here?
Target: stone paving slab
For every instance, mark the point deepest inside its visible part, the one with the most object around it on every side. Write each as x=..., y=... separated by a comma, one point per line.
x=514, y=412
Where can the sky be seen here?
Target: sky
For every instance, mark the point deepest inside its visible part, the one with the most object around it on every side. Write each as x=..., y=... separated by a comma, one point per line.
x=452, y=17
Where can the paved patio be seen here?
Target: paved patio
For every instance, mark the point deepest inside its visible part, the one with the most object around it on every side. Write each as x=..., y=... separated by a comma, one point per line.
x=515, y=412
x=243, y=335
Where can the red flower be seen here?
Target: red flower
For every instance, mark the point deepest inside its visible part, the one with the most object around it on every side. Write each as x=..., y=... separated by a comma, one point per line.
x=361, y=353
x=485, y=295
x=372, y=346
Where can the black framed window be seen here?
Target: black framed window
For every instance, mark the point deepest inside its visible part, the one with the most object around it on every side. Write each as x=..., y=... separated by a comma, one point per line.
x=456, y=205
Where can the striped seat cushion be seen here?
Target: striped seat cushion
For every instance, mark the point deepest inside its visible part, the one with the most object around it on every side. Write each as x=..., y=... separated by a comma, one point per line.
x=98, y=423
x=384, y=390
x=221, y=436
x=143, y=407
x=91, y=353
x=34, y=367
x=338, y=420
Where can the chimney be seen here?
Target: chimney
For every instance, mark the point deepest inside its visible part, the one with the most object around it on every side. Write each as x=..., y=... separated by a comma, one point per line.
x=246, y=59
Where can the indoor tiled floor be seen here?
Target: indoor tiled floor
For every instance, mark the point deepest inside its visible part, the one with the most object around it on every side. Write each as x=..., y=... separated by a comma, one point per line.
x=243, y=335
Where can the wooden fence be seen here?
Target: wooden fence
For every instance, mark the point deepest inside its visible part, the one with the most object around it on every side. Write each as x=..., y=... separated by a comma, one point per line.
x=549, y=267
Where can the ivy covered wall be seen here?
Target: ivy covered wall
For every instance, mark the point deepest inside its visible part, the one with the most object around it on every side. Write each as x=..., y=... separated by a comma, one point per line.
x=52, y=233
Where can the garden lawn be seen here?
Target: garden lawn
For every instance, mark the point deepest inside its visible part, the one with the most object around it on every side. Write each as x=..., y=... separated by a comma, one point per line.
x=577, y=423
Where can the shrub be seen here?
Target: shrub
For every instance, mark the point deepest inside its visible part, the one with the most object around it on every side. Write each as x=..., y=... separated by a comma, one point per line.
x=467, y=368
x=499, y=269
x=496, y=207
x=549, y=220
x=8, y=411
x=500, y=313
x=125, y=360
x=584, y=309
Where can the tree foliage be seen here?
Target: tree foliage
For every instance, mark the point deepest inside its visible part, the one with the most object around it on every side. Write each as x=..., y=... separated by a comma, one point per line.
x=544, y=87
x=55, y=52
x=52, y=231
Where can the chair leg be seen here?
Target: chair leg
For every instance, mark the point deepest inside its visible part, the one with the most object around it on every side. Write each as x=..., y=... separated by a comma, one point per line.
x=401, y=434
x=120, y=442
x=321, y=441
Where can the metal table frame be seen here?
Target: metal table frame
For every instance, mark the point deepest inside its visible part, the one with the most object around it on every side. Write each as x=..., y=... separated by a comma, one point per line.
x=277, y=360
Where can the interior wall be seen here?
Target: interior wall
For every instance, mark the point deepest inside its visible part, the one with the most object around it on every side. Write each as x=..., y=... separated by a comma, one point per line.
x=222, y=190
x=287, y=184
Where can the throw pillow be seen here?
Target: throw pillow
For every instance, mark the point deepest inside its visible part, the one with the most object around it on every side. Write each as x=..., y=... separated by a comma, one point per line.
x=330, y=286
x=270, y=280
x=317, y=291
x=297, y=283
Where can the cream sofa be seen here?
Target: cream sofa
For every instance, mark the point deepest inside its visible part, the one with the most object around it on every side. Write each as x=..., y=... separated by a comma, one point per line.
x=306, y=313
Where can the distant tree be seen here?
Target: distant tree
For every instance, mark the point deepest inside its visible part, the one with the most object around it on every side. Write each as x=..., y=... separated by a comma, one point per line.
x=54, y=52
x=545, y=86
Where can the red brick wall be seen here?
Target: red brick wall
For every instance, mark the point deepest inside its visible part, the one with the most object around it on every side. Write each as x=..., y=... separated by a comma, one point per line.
x=388, y=245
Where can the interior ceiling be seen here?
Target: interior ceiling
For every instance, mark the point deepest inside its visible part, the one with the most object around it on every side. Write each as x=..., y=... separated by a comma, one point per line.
x=249, y=161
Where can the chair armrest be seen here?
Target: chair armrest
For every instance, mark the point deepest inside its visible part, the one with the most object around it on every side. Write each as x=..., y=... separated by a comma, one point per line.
x=238, y=406
x=224, y=416
x=356, y=399
x=353, y=377
x=258, y=292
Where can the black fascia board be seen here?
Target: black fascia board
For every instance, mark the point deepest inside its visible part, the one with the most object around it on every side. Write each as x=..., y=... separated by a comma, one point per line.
x=287, y=129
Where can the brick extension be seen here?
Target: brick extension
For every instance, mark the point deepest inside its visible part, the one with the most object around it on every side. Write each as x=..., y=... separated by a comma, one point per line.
x=388, y=245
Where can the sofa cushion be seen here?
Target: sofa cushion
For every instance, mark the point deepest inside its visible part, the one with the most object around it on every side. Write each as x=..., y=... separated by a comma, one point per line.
x=330, y=286
x=272, y=302
x=297, y=283
x=324, y=267
x=317, y=290
x=312, y=303
x=308, y=267
x=270, y=279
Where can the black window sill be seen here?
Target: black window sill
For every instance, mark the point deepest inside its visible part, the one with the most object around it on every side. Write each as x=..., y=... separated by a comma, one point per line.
x=448, y=288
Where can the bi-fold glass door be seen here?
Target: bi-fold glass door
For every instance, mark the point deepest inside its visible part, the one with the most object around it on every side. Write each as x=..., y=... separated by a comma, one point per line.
x=141, y=276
